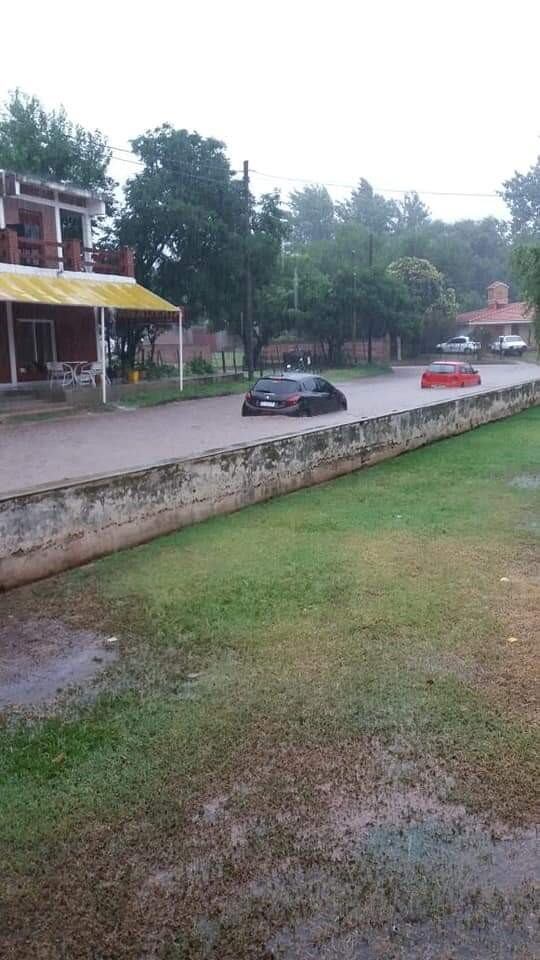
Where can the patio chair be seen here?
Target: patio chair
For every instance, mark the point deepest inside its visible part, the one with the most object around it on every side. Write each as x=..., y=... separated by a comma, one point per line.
x=59, y=373
x=88, y=374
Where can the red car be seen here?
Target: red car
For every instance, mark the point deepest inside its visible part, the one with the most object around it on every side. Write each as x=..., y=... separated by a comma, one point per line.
x=448, y=374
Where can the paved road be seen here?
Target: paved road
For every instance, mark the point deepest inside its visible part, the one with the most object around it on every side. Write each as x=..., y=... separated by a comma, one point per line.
x=56, y=450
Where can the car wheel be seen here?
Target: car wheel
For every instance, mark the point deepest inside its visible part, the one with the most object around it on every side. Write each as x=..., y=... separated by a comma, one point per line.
x=343, y=405
x=245, y=411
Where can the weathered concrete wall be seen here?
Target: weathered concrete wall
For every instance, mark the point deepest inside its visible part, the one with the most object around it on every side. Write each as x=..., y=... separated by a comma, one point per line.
x=50, y=529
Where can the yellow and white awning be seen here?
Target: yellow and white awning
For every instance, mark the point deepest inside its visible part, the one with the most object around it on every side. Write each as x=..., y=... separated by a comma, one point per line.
x=64, y=292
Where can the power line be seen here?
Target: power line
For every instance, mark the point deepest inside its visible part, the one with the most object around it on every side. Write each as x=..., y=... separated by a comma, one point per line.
x=270, y=176
x=352, y=186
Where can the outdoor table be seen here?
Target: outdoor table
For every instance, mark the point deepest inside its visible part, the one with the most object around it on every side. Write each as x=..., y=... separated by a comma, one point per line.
x=74, y=367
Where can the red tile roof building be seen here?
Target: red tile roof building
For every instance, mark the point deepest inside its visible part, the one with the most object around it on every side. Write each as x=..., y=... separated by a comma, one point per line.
x=500, y=316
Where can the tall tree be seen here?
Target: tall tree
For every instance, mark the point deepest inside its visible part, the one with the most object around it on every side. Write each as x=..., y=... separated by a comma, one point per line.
x=313, y=216
x=183, y=215
x=526, y=262
x=470, y=253
x=522, y=195
x=432, y=302
x=370, y=209
x=413, y=212
x=48, y=144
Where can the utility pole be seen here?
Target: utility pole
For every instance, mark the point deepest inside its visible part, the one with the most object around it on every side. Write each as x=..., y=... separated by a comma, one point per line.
x=370, y=327
x=295, y=287
x=354, y=306
x=249, y=284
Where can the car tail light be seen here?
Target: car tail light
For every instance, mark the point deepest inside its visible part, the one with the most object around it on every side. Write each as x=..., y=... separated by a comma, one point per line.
x=249, y=395
x=294, y=398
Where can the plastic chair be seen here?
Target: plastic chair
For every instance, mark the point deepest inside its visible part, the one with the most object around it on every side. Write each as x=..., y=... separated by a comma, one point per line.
x=59, y=373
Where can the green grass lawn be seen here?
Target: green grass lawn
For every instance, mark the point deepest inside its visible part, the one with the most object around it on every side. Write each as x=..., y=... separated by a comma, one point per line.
x=286, y=675
x=192, y=391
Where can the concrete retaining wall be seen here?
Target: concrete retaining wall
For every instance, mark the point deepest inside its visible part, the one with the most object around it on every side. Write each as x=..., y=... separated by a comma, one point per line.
x=51, y=528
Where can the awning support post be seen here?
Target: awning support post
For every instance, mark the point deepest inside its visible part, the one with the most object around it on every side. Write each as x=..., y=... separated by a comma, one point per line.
x=180, y=350
x=103, y=358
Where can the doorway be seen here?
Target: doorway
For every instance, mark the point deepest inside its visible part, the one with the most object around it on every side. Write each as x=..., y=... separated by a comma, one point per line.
x=35, y=347
x=32, y=254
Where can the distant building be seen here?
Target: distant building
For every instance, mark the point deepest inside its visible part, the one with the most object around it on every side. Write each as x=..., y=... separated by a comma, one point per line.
x=499, y=316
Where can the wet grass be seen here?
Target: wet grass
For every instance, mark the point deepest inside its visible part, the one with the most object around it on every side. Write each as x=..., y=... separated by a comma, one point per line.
x=194, y=391
x=366, y=611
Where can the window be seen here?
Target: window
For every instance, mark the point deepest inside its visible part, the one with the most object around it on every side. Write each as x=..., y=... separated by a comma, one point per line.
x=71, y=225
x=32, y=223
x=323, y=386
x=441, y=368
x=32, y=230
x=34, y=343
x=281, y=388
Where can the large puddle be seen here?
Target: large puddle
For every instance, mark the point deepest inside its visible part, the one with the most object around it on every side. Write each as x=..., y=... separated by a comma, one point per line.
x=526, y=481
x=42, y=659
x=393, y=870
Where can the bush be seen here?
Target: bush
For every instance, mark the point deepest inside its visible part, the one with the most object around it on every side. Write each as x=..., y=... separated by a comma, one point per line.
x=199, y=367
x=158, y=371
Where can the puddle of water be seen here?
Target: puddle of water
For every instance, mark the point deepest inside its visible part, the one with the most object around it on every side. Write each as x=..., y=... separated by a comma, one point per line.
x=397, y=873
x=526, y=481
x=39, y=659
x=426, y=941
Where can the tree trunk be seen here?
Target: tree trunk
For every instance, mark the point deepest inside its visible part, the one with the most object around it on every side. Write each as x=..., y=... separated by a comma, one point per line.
x=370, y=345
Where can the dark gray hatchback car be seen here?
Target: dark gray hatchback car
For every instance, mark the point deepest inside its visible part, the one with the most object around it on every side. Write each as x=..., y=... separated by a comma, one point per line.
x=293, y=395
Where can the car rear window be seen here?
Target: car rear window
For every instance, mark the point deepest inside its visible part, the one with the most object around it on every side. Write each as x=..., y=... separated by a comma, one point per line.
x=513, y=339
x=441, y=368
x=282, y=388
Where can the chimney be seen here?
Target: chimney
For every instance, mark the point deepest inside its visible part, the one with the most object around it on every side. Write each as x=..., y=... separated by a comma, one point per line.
x=497, y=294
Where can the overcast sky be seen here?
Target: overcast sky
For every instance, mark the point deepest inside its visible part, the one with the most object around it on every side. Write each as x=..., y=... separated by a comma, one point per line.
x=411, y=94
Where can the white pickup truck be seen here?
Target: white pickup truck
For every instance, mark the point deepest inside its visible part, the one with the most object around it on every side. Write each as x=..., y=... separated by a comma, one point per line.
x=458, y=345
x=509, y=346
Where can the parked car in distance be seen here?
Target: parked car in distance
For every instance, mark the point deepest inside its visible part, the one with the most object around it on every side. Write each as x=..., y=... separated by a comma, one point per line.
x=458, y=345
x=293, y=395
x=509, y=346
x=450, y=374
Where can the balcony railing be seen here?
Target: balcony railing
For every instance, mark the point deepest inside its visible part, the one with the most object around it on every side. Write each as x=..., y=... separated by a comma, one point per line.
x=70, y=255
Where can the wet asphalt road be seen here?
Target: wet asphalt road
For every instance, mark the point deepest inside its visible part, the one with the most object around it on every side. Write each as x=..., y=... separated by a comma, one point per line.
x=44, y=452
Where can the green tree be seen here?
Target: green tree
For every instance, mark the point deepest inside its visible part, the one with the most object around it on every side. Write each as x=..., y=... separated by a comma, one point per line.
x=183, y=216
x=49, y=145
x=413, y=213
x=269, y=228
x=432, y=304
x=313, y=216
x=522, y=195
x=370, y=209
x=382, y=303
x=329, y=302
x=470, y=253
x=526, y=262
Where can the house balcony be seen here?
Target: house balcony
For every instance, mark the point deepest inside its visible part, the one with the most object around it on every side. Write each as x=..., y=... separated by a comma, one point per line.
x=70, y=255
